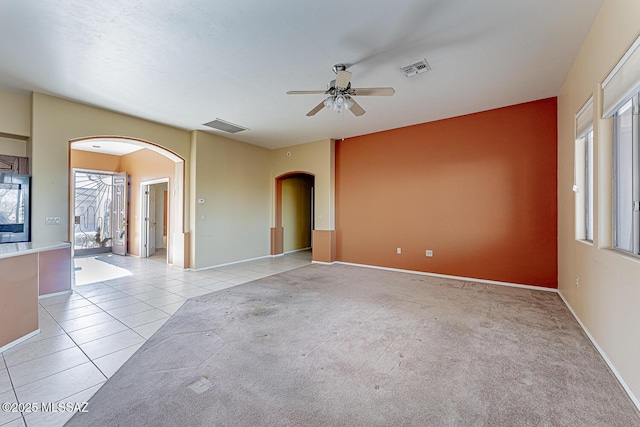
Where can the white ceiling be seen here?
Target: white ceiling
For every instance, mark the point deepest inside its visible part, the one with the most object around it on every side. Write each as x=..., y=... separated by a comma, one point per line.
x=185, y=63
x=115, y=147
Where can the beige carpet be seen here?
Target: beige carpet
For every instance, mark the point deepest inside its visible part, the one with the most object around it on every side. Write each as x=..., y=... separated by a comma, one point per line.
x=348, y=346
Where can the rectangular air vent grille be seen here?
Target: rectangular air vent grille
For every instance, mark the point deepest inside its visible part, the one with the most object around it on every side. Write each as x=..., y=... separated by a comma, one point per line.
x=225, y=126
x=416, y=68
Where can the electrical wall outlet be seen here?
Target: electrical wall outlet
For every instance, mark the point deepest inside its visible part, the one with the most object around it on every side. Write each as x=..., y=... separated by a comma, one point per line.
x=429, y=252
x=52, y=220
x=398, y=251
x=577, y=281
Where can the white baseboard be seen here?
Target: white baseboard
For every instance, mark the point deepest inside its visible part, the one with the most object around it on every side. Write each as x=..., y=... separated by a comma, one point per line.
x=19, y=340
x=298, y=250
x=246, y=260
x=323, y=263
x=55, y=294
x=231, y=263
x=604, y=356
x=447, y=276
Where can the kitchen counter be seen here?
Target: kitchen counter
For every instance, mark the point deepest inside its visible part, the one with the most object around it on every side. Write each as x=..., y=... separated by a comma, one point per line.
x=14, y=249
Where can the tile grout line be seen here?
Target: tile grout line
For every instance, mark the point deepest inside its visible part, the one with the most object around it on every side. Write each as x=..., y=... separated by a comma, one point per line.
x=13, y=388
x=49, y=354
x=82, y=350
x=89, y=358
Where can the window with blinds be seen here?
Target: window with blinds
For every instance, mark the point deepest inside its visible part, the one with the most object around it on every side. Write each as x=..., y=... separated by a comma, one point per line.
x=620, y=92
x=583, y=172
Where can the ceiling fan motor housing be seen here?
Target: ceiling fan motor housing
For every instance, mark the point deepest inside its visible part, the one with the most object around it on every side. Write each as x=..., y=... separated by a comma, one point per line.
x=339, y=67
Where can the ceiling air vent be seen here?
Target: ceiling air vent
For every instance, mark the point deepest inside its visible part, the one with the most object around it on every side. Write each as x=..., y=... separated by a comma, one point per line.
x=225, y=126
x=416, y=68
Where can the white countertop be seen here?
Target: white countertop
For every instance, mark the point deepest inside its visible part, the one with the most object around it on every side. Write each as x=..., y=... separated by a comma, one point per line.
x=8, y=250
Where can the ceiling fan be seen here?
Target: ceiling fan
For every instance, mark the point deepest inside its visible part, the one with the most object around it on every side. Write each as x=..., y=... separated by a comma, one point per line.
x=341, y=93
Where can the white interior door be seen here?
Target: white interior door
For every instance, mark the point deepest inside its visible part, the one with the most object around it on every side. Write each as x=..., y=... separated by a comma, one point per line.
x=151, y=220
x=119, y=214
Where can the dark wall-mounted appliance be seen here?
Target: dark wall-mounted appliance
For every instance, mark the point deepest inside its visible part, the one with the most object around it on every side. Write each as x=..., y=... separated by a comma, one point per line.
x=14, y=208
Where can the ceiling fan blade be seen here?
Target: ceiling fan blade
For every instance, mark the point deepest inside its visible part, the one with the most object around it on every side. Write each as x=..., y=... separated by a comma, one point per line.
x=305, y=92
x=356, y=109
x=342, y=79
x=316, y=109
x=373, y=91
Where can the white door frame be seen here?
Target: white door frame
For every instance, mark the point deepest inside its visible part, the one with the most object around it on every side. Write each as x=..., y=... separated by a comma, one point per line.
x=119, y=212
x=143, y=203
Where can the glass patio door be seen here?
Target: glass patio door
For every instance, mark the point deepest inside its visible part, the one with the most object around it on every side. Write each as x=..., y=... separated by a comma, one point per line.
x=93, y=205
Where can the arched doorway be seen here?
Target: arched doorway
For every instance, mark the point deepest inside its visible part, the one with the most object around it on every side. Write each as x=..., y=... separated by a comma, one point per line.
x=137, y=161
x=294, y=213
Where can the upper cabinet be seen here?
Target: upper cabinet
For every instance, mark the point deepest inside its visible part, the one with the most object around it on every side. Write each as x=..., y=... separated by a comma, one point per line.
x=14, y=164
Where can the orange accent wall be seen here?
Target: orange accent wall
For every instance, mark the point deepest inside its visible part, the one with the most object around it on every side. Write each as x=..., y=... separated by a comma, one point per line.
x=478, y=190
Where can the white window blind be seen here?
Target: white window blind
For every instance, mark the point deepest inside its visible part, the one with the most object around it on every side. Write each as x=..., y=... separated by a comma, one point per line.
x=584, y=119
x=623, y=82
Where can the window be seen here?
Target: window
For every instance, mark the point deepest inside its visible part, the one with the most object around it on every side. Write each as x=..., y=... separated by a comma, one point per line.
x=583, y=172
x=588, y=184
x=626, y=178
x=620, y=95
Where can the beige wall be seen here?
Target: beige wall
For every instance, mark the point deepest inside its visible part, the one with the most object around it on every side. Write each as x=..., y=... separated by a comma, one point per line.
x=608, y=295
x=296, y=212
x=233, y=179
x=15, y=114
x=13, y=147
x=54, y=123
x=318, y=159
x=143, y=165
x=15, y=124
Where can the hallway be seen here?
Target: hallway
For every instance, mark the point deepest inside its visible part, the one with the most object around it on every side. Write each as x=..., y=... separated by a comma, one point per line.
x=117, y=304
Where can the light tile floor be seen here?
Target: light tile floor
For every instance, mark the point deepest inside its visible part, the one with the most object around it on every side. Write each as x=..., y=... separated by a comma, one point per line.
x=116, y=305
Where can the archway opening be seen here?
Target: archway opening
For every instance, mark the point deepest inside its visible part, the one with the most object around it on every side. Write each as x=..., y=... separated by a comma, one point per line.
x=138, y=161
x=294, y=213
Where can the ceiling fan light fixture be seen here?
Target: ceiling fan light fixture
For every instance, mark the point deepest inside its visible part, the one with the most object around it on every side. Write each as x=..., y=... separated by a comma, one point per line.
x=328, y=102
